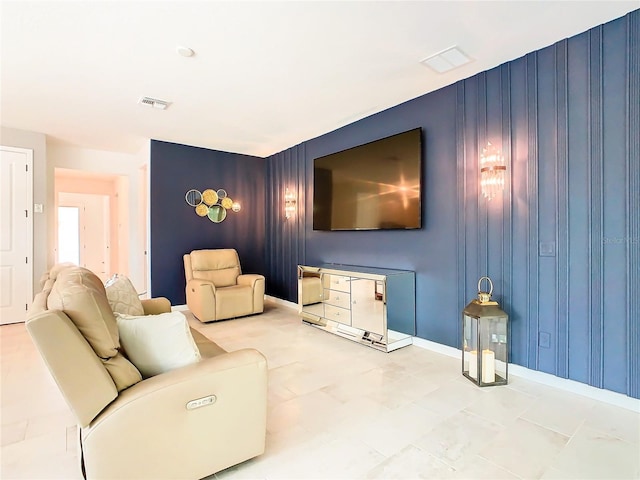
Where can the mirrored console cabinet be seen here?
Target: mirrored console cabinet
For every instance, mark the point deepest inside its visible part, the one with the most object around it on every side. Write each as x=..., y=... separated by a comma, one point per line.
x=372, y=306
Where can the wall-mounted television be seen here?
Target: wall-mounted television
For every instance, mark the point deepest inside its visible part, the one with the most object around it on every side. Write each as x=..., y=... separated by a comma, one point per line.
x=375, y=186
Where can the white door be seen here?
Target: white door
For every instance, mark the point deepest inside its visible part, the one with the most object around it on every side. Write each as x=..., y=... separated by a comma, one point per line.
x=94, y=231
x=16, y=236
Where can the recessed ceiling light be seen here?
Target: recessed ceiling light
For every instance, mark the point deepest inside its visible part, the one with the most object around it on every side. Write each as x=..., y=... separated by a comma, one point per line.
x=185, y=51
x=446, y=60
x=154, y=103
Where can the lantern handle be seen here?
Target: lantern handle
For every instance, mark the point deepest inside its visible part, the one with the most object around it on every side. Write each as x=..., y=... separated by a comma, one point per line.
x=490, y=285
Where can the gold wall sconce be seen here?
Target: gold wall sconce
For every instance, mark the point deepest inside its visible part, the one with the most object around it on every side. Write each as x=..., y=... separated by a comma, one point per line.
x=289, y=204
x=492, y=171
x=212, y=204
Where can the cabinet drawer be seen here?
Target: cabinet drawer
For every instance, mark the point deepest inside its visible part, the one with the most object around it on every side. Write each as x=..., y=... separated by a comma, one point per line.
x=336, y=282
x=337, y=314
x=339, y=299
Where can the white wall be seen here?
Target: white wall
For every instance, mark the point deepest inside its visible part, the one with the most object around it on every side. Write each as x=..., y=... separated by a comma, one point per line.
x=42, y=193
x=113, y=163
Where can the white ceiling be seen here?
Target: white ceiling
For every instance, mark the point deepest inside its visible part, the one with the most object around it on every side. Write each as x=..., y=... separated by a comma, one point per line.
x=266, y=75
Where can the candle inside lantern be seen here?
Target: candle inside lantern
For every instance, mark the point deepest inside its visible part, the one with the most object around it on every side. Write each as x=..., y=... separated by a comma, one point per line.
x=488, y=366
x=473, y=364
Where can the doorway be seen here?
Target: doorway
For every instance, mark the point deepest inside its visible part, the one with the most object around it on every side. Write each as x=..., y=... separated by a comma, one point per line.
x=92, y=221
x=84, y=231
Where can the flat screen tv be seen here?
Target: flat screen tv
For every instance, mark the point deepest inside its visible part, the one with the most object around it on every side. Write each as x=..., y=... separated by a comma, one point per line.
x=375, y=186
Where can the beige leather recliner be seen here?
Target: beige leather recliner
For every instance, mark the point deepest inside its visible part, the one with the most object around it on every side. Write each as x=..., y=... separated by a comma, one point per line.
x=216, y=288
x=138, y=428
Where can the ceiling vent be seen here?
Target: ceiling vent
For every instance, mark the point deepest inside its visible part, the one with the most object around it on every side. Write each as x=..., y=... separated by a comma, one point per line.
x=446, y=60
x=154, y=102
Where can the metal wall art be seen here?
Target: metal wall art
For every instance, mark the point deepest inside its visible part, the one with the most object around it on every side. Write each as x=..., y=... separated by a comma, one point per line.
x=212, y=204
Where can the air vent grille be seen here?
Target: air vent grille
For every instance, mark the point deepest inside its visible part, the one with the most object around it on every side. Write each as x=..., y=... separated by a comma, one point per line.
x=446, y=60
x=154, y=103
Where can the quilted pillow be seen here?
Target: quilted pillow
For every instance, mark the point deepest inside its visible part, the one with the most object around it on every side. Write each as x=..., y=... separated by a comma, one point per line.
x=157, y=343
x=122, y=296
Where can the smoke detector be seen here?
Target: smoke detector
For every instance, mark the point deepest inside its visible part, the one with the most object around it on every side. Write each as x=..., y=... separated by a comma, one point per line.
x=185, y=51
x=446, y=60
x=154, y=103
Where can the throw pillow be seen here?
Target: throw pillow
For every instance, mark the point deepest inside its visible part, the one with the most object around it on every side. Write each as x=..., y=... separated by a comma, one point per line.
x=122, y=296
x=157, y=343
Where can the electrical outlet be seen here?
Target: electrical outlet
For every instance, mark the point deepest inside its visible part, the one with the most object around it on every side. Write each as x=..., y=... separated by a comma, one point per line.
x=544, y=340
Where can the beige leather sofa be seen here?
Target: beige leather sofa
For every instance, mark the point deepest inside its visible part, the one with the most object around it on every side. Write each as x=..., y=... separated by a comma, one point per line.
x=134, y=428
x=216, y=288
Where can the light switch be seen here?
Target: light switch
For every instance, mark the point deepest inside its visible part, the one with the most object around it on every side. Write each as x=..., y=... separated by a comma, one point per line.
x=37, y=208
x=547, y=249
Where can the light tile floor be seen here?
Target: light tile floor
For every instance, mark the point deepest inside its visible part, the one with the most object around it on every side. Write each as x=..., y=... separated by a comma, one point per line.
x=341, y=410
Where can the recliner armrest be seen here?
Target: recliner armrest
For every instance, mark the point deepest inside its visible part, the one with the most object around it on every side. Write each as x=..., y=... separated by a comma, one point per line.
x=164, y=438
x=249, y=279
x=199, y=283
x=155, y=306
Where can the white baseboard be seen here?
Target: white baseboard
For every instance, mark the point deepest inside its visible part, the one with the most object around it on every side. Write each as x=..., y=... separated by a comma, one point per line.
x=284, y=303
x=179, y=308
x=565, y=384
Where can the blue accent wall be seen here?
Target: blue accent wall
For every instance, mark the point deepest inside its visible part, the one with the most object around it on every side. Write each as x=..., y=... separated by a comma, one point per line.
x=561, y=243
x=175, y=227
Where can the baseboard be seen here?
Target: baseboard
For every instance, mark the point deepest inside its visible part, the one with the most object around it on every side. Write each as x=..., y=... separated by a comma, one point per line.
x=565, y=384
x=284, y=303
x=179, y=308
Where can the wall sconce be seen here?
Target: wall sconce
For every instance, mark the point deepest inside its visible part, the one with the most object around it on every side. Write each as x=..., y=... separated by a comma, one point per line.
x=289, y=204
x=212, y=204
x=492, y=170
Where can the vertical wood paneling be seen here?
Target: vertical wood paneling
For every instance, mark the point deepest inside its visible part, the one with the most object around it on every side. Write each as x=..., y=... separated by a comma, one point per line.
x=461, y=185
x=301, y=154
x=482, y=139
x=473, y=251
x=562, y=211
x=532, y=198
x=286, y=237
x=633, y=204
x=507, y=220
x=596, y=199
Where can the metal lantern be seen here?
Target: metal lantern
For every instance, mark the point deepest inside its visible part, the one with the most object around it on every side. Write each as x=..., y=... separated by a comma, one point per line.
x=485, y=340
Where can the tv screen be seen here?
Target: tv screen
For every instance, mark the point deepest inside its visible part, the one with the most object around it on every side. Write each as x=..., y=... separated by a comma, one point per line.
x=375, y=186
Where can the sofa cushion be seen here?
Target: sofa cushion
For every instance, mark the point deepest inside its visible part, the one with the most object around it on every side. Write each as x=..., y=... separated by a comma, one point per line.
x=123, y=373
x=122, y=296
x=221, y=266
x=79, y=293
x=157, y=343
x=84, y=300
x=235, y=301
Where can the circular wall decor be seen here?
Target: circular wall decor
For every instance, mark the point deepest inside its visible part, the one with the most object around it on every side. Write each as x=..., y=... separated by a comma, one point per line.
x=210, y=197
x=217, y=214
x=193, y=197
x=202, y=210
